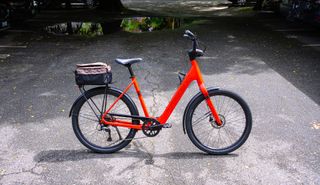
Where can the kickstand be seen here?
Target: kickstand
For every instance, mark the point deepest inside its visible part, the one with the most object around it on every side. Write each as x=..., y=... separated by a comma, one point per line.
x=120, y=137
x=109, y=133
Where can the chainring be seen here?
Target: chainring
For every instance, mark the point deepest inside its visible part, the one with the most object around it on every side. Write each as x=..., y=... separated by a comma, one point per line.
x=151, y=130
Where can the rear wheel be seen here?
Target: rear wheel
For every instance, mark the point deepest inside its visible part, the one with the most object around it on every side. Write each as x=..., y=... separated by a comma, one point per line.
x=87, y=113
x=206, y=134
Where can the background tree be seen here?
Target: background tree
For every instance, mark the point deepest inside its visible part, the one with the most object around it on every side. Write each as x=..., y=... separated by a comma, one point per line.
x=111, y=5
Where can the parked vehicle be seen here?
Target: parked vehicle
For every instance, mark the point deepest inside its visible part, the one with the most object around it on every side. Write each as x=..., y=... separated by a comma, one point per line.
x=242, y=2
x=317, y=12
x=4, y=15
x=68, y=4
x=21, y=9
x=272, y=5
x=301, y=10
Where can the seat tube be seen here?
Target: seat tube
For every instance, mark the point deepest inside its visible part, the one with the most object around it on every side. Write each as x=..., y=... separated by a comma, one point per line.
x=205, y=93
x=143, y=104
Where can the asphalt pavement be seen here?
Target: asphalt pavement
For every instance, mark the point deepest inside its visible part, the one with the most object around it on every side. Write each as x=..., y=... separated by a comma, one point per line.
x=273, y=64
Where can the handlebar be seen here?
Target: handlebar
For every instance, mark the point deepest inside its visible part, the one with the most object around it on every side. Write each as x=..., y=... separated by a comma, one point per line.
x=194, y=52
x=188, y=34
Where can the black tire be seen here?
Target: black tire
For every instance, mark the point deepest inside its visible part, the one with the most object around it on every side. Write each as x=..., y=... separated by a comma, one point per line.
x=83, y=113
x=201, y=134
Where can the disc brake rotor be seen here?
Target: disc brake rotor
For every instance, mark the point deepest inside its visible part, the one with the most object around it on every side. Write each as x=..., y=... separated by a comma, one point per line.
x=214, y=123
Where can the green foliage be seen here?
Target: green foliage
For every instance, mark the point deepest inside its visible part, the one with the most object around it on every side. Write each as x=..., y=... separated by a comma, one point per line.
x=130, y=25
x=142, y=24
x=90, y=29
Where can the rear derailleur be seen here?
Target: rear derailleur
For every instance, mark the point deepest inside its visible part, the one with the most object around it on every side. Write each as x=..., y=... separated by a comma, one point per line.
x=102, y=127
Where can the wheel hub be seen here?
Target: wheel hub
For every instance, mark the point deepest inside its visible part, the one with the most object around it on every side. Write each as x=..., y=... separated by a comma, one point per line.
x=214, y=123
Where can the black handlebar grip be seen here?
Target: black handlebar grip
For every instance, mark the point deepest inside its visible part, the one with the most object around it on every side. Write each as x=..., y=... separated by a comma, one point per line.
x=189, y=35
x=188, y=32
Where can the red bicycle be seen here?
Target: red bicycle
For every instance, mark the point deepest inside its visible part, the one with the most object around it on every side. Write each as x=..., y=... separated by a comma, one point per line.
x=105, y=119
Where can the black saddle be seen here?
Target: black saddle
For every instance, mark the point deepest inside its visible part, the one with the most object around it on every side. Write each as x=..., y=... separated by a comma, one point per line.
x=128, y=62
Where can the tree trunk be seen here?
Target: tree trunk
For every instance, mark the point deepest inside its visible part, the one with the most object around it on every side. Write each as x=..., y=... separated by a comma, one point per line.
x=111, y=27
x=69, y=28
x=258, y=5
x=111, y=5
x=68, y=4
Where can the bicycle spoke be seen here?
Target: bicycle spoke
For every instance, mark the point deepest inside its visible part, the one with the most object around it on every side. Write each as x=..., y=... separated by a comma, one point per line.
x=120, y=137
x=204, y=133
x=86, y=116
x=235, y=111
x=221, y=109
x=95, y=105
x=228, y=110
x=231, y=135
x=211, y=135
x=235, y=120
x=200, y=119
x=225, y=103
x=118, y=110
x=90, y=132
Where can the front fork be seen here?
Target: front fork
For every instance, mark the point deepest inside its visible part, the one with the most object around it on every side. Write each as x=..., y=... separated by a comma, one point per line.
x=205, y=93
x=215, y=114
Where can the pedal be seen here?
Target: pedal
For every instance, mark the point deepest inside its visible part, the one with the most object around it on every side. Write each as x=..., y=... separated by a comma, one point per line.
x=167, y=125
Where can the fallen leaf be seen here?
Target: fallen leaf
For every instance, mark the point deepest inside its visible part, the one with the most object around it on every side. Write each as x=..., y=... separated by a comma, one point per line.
x=2, y=171
x=316, y=125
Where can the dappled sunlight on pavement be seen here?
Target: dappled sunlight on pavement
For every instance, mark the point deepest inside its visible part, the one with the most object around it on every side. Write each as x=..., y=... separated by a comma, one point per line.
x=274, y=74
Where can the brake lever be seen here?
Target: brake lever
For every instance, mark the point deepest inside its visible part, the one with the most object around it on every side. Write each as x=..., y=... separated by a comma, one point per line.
x=190, y=35
x=185, y=35
x=188, y=32
x=205, y=47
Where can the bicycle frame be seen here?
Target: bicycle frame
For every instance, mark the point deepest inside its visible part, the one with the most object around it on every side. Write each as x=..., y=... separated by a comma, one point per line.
x=193, y=74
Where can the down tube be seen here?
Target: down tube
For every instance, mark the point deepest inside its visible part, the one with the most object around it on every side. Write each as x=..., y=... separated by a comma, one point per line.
x=176, y=98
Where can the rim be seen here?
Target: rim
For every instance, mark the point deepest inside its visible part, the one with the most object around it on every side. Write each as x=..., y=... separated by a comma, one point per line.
x=219, y=137
x=100, y=135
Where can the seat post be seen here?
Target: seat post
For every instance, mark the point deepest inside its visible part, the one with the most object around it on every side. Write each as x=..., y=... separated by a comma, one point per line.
x=130, y=71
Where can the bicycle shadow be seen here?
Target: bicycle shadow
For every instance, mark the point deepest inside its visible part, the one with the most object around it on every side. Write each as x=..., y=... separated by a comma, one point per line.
x=56, y=156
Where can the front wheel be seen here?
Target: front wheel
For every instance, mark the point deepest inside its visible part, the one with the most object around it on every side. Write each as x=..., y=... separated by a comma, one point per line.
x=203, y=130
